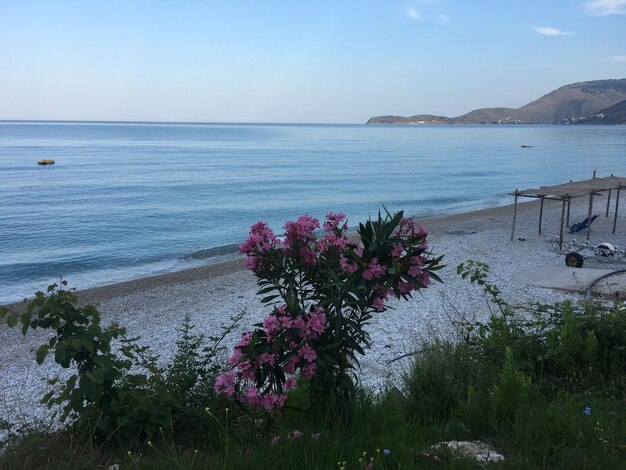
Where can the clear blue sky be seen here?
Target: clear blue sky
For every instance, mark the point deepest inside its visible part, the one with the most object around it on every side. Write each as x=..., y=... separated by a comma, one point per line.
x=329, y=61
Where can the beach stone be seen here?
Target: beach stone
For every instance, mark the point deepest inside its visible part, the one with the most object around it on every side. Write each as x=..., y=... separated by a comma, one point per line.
x=478, y=450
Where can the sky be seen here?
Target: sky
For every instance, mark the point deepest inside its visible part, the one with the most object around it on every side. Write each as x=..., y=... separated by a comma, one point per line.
x=296, y=61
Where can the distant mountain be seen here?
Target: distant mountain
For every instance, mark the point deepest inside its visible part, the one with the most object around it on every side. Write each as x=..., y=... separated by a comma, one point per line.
x=567, y=104
x=615, y=114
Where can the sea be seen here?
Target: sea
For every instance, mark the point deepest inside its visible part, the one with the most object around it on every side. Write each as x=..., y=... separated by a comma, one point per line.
x=129, y=200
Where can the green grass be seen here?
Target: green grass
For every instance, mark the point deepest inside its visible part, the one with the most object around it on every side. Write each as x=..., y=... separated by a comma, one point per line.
x=544, y=433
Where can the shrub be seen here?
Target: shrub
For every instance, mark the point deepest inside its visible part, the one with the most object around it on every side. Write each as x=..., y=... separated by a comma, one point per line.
x=438, y=380
x=557, y=345
x=120, y=395
x=325, y=288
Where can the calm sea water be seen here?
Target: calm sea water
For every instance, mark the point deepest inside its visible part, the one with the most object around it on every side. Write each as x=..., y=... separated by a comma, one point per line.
x=129, y=200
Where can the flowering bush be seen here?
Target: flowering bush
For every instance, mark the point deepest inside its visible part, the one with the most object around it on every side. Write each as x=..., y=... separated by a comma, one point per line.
x=324, y=288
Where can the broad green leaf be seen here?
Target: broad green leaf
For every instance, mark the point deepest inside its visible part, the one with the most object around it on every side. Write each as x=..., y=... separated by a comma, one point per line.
x=12, y=320
x=41, y=353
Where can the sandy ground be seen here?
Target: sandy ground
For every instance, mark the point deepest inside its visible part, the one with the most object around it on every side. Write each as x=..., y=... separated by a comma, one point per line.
x=154, y=307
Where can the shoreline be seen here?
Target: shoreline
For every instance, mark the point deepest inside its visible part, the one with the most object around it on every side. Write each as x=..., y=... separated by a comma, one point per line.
x=434, y=224
x=92, y=295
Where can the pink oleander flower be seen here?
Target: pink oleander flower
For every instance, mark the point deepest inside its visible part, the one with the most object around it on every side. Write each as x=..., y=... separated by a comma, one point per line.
x=267, y=358
x=272, y=401
x=300, y=230
x=317, y=321
x=275, y=440
x=251, y=262
x=252, y=396
x=271, y=326
x=295, y=434
x=407, y=227
x=261, y=239
x=347, y=265
x=291, y=365
x=245, y=340
x=415, y=270
x=309, y=371
x=290, y=384
x=307, y=256
x=308, y=353
x=379, y=304
x=425, y=278
x=405, y=288
x=225, y=383
x=331, y=240
x=374, y=270
x=333, y=220
x=234, y=358
x=397, y=250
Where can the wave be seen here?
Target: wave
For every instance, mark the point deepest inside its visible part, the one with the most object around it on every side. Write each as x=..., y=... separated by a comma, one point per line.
x=207, y=253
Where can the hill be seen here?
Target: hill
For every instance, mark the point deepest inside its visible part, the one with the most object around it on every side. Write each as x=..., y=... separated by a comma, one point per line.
x=615, y=114
x=564, y=105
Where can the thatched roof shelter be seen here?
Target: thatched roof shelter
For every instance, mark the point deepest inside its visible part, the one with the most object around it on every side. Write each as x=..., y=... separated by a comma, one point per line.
x=568, y=191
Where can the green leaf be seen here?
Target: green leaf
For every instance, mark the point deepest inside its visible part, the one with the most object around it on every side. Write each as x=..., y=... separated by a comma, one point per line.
x=97, y=375
x=41, y=353
x=266, y=290
x=47, y=399
x=90, y=389
x=12, y=320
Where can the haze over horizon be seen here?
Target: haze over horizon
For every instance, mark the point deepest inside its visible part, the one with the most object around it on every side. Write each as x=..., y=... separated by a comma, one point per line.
x=295, y=62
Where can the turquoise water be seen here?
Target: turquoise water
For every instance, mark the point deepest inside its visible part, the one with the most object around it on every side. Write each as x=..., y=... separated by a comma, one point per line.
x=128, y=200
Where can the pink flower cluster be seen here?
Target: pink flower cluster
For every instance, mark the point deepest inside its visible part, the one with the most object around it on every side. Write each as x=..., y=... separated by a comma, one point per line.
x=260, y=241
x=409, y=228
x=300, y=239
x=279, y=328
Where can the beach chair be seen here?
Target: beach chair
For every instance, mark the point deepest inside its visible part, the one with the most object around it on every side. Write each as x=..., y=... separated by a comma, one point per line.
x=579, y=227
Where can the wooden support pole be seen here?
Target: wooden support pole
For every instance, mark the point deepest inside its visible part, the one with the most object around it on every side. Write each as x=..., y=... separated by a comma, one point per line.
x=608, y=202
x=561, y=231
x=616, y=209
x=514, y=216
x=569, y=203
x=590, y=213
x=540, y=214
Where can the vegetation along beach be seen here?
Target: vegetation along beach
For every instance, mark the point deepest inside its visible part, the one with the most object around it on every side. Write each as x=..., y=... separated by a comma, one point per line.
x=236, y=235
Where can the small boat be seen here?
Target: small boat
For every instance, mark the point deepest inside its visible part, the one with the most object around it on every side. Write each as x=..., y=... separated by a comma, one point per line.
x=528, y=146
x=45, y=161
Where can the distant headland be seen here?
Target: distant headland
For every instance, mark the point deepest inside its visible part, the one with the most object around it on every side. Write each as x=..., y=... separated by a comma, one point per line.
x=593, y=102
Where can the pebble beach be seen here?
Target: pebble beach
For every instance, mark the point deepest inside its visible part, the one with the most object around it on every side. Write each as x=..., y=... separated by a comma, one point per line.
x=153, y=308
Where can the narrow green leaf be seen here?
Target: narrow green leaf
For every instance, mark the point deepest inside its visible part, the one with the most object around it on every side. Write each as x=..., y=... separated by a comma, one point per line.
x=41, y=353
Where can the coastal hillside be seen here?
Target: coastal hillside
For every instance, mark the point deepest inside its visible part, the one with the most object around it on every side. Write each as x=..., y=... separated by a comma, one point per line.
x=615, y=114
x=564, y=105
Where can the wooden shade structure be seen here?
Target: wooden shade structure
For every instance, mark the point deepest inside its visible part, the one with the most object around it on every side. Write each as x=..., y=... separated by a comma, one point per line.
x=568, y=191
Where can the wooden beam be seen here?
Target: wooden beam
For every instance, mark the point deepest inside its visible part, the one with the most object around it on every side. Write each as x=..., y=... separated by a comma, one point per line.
x=569, y=203
x=608, y=202
x=616, y=208
x=561, y=231
x=590, y=213
x=514, y=216
x=540, y=214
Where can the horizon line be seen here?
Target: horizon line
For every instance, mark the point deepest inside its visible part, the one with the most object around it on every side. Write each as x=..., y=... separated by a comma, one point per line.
x=91, y=121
